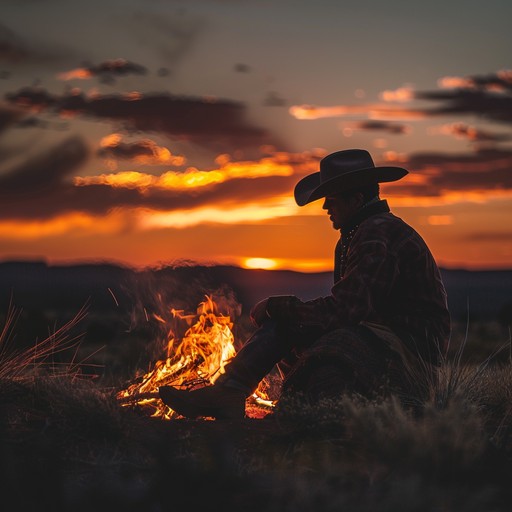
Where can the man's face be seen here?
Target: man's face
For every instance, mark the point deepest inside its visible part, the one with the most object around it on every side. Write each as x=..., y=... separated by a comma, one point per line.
x=341, y=208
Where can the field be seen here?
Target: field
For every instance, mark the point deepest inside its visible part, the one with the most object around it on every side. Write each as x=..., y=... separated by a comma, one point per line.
x=67, y=443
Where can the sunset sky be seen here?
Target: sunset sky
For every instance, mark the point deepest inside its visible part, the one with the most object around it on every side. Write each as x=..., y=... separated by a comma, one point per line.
x=151, y=132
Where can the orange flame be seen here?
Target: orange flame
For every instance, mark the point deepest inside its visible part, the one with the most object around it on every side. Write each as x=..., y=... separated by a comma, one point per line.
x=195, y=360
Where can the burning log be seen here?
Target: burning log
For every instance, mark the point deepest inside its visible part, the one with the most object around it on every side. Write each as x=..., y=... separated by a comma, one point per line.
x=196, y=360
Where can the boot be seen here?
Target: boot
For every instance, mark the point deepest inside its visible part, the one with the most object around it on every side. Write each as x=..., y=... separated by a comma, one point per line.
x=221, y=402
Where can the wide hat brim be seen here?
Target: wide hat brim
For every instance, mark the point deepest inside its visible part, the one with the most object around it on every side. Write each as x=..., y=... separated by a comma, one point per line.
x=316, y=186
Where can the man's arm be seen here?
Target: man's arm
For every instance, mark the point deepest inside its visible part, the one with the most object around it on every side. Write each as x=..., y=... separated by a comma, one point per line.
x=359, y=295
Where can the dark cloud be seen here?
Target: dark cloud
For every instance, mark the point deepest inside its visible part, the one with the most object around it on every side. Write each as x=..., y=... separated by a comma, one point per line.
x=483, y=170
x=99, y=199
x=218, y=123
x=242, y=68
x=42, y=187
x=502, y=80
x=487, y=96
x=118, y=67
x=44, y=173
x=273, y=99
x=473, y=134
x=144, y=148
x=383, y=126
x=107, y=71
x=41, y=199
x=127, y=150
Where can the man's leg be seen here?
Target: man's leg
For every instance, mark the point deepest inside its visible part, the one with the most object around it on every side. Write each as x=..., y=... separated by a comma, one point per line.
x=261, y=352
x=346, y=360
x=226, y=399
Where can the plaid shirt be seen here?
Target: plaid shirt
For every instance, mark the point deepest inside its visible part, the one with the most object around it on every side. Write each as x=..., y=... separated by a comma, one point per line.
x=387, y=276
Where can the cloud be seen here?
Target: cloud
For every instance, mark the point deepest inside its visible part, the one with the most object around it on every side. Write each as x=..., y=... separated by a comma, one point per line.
x=274, y=99
x=499, y=81
x=402, y=94
x=205, y=121
x=107, y=71
x=42, y=174
x=490, y=105
x=143, y=151
x=434, y=174
x=380, y=126
x=488, y=96
x=190, y=179
x=371, y=110
x=241, y=68
x=476, y=135
x=43, y=186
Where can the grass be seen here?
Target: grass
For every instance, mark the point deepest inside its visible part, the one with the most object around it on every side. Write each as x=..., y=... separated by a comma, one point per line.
x=67, y=444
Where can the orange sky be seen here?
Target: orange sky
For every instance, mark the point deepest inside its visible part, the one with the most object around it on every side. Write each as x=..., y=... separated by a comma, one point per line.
x=178, y=134
x=464, y=228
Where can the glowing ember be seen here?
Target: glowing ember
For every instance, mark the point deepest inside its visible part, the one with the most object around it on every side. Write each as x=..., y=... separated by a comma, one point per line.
x=198, y=359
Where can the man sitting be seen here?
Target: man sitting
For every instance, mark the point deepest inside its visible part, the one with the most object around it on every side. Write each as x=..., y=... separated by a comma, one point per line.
x=387, y=311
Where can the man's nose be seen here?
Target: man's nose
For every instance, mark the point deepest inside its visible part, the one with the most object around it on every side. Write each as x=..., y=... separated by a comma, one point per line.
x=325, y=206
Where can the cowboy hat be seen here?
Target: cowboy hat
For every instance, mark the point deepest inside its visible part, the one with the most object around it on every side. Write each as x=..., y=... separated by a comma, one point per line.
x=341, y=171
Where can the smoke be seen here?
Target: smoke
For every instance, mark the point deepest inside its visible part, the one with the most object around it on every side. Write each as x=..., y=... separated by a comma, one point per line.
x=156, y=294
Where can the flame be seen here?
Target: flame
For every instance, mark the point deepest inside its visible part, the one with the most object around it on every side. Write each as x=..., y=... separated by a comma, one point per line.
x=196, y=360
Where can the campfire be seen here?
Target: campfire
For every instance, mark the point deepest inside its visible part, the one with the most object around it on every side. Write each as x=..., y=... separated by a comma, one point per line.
x=194, y=360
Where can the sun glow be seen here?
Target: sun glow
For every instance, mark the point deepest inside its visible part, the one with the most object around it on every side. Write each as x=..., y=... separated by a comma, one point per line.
x=279, y=207
x=260, y=263
x=72, y=224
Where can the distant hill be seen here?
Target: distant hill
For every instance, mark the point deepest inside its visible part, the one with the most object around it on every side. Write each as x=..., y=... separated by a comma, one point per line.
x=110, y=288
x=122, y=331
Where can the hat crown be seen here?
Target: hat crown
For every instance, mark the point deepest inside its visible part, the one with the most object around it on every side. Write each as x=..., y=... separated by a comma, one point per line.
x=342, y=162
